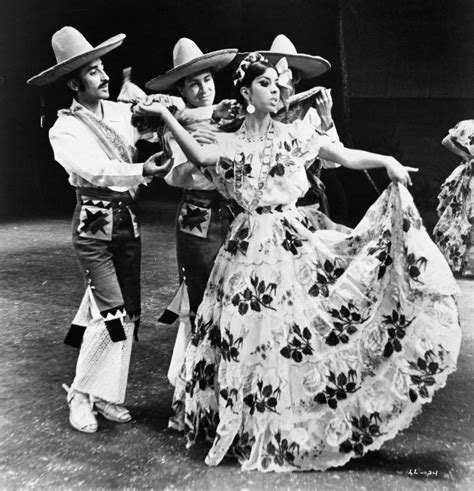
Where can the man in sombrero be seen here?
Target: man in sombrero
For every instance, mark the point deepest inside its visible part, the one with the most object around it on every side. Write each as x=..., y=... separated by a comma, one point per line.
x=313, y=105
x=203, y=216
x=94, y=141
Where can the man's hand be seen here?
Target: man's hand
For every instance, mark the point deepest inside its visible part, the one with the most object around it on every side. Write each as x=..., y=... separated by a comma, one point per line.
x=323, y=104
x=158, y=165
x=226, y=109
x=148, y=108
x=204, y=137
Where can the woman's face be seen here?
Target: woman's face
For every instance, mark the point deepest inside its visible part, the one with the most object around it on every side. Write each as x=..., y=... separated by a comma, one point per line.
x=264, y=93
x=199, y=90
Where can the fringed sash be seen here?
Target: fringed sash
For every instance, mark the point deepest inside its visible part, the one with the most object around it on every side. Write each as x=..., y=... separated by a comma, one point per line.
x=111, y=142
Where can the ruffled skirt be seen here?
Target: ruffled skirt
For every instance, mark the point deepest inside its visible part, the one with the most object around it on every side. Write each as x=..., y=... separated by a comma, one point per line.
x=314, y=347
x=454, y=232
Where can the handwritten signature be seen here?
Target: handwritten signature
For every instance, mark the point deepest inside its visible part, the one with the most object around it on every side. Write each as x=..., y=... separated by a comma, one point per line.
x=418, y=472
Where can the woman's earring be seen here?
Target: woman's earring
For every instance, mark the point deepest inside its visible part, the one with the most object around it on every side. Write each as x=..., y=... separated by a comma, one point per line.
x=250, y=108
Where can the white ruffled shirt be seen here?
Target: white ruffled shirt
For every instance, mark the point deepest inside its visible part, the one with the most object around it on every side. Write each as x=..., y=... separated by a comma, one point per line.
x=184, y=174
x=88, y=165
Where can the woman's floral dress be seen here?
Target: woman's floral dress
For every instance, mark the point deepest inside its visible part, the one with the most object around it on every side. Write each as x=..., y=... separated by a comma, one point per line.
x=313, y=347
x=454, y=232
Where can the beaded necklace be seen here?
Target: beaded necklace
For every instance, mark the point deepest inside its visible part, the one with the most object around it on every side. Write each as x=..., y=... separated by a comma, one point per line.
x=239, y=162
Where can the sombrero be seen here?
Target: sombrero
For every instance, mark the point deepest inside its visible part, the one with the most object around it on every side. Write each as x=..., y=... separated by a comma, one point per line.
x=308, y=65
x=72, y=50
x=189, y=59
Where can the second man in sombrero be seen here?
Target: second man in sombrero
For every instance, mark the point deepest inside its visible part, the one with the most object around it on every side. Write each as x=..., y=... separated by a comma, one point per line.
x=203, y=216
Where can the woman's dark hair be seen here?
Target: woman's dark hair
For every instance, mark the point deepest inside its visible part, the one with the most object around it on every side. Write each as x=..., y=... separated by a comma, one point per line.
x=253, y=71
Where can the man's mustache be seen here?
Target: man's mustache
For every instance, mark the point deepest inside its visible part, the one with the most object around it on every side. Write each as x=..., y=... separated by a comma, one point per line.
x=105, y=84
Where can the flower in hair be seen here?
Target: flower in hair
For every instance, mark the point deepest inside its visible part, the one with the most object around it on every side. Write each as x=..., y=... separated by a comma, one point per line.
x=251, y=58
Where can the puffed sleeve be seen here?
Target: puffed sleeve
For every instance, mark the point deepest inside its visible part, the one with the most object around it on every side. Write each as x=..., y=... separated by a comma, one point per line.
x=462, y=135
x=306, y=141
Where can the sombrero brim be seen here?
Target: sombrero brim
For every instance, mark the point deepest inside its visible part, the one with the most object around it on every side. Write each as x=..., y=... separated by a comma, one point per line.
x=302, y=96
x=67, y=66
x=308, y=65
x=215, y=60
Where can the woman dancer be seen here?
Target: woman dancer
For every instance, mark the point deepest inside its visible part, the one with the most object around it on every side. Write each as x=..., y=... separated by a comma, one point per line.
x=454, y=232
x=310, y=347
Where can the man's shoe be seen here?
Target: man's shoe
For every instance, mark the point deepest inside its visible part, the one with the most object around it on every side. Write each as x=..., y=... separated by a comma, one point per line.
x=81, y=416
x=113, y=412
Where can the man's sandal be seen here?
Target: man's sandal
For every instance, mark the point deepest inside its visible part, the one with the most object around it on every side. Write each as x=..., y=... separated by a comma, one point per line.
x=81, y=416
x=113, y=412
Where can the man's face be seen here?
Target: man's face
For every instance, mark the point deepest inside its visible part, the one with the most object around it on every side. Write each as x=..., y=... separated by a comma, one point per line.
x=295, y=79
x=95, y=82
x=296, y=76
x=199, y=90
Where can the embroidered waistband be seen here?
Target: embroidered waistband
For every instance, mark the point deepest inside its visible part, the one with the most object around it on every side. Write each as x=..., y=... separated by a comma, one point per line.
x=115, y=197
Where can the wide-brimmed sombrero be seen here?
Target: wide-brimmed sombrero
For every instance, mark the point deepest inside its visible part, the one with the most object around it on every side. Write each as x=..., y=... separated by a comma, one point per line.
x=308, y=65
x=72, y=50
x=189, y=59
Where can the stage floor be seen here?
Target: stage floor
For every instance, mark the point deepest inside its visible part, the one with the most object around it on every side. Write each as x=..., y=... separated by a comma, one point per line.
x=40, y=289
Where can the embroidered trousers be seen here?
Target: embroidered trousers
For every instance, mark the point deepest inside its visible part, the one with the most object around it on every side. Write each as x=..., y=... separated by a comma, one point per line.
x=203, y=221
x=105, y=237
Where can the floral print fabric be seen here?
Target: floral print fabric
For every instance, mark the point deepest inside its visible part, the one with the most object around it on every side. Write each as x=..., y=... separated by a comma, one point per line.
x=454, y=231
x=314, y=346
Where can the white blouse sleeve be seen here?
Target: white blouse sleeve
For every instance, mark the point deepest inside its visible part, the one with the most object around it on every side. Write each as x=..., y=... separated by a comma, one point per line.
x=307, y=141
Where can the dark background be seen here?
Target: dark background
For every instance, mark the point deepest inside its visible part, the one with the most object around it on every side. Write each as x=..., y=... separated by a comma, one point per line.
x=409, y=79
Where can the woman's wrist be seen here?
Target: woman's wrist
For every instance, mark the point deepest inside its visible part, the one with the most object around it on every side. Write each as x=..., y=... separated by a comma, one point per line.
x=165, y=114
x=390, y=163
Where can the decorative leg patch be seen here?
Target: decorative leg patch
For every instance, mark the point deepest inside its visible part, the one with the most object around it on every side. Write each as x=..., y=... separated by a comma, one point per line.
x=194, y=220
x=116, y=331
x=95, y=221
x=114, y=323
x=75, y=335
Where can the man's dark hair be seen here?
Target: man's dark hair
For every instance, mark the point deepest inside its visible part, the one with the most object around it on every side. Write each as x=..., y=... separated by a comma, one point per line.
x=75, y=75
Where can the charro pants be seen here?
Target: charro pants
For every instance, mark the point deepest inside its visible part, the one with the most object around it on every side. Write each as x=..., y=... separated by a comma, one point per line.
x=203, y=221
x=106, y=241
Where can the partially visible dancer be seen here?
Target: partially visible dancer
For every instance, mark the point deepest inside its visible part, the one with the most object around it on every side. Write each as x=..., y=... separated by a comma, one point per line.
x=454, y=232
x=319, y=114
x=94, y=141
x=203, y=216
x=310, y=348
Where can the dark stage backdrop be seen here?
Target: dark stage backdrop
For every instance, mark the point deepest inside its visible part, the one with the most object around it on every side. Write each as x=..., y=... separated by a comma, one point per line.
x=409, y=74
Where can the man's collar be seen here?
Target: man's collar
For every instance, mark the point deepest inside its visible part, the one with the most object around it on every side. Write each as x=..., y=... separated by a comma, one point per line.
x=77, y=105
x=109, y=111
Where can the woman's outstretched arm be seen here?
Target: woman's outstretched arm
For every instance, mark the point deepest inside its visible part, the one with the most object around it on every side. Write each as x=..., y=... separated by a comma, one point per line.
x=360, y=160
x=197, y=154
